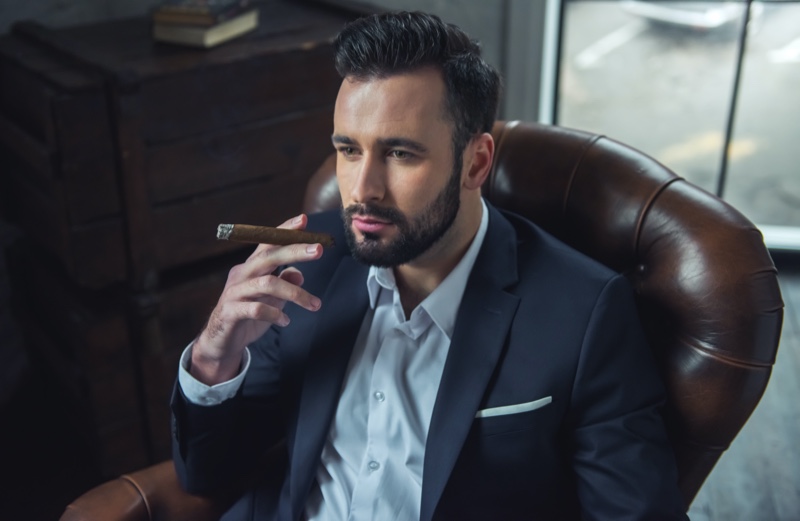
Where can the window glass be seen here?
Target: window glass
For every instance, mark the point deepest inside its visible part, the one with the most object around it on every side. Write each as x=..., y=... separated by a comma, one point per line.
x=763, y=178
x=658, y=76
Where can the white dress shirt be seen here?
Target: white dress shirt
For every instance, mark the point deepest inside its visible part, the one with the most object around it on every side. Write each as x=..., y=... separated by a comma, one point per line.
x=371, y=466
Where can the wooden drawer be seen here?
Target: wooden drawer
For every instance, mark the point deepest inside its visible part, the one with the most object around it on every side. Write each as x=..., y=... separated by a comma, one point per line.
x=288, y=146
x=227, y=95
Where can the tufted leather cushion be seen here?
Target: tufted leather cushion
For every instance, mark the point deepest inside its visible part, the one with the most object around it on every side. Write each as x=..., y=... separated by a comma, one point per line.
x=706, y=287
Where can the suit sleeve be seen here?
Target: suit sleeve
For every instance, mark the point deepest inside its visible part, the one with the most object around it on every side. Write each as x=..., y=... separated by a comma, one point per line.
x=215, y=447
x=624, y=465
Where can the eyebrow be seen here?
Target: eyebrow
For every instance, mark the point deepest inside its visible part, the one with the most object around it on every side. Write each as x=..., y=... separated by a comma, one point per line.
x=342, y=140
x=391, y=142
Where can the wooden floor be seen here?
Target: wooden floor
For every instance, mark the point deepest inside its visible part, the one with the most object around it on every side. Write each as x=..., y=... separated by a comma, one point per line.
x=758, y=478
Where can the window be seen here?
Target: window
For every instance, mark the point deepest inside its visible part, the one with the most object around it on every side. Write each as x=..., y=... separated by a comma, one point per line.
x=674, y=80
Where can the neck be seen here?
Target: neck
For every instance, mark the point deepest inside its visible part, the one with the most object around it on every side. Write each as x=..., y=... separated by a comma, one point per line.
x=419, y=278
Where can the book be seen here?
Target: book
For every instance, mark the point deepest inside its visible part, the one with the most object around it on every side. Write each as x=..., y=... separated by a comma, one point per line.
x=199, y=36
x=198, y=12
x=199, y=6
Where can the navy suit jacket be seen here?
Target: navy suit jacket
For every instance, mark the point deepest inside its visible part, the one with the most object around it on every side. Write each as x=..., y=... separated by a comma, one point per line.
x=537, y=320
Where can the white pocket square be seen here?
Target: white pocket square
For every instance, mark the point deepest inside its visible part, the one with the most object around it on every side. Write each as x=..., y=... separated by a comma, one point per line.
x=514, y=409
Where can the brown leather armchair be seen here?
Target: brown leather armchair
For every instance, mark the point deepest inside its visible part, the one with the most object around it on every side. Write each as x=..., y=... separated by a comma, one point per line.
x=706, y=286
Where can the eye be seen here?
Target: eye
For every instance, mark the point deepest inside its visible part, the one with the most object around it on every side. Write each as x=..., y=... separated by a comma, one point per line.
x=400, y=154
x=348, y=151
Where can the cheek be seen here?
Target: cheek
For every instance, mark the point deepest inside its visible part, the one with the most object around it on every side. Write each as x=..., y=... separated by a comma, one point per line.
x=410, y=198
x=415, y=189
x=343, y=181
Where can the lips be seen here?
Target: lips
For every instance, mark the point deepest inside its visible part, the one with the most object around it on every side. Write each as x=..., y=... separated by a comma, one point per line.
x=366, y=224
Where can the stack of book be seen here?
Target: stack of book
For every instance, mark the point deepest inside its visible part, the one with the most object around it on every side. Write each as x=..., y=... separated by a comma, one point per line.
x=203, y=23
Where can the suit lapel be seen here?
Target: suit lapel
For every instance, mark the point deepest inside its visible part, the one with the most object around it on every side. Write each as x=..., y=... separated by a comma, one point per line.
x=483, y=321
x=344, y=305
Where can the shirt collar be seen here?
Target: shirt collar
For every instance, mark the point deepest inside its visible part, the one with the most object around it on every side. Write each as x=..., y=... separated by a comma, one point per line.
x=443, y=303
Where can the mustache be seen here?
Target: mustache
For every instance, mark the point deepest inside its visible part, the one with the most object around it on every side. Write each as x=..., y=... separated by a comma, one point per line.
x=392, y=215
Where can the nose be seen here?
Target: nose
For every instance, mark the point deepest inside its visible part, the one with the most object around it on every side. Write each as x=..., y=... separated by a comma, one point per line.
x=368, y=179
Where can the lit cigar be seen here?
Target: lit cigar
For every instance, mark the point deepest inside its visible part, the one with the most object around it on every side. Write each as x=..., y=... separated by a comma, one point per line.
x=267, y=235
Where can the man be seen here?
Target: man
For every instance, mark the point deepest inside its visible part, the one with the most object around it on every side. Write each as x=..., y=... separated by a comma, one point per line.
x=452, y=361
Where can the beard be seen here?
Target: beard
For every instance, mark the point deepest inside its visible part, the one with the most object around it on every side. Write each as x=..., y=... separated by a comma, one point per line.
x=415, y=235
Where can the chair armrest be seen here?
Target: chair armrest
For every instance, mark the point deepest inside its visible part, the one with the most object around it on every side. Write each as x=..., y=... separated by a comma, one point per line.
x=150, y=494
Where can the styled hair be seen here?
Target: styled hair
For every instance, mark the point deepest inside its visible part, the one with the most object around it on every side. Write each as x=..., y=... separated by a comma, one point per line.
x=386, y=44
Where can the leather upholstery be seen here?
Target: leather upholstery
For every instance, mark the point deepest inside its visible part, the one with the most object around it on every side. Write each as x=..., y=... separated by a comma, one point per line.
x=151, y=494
x=706, y=288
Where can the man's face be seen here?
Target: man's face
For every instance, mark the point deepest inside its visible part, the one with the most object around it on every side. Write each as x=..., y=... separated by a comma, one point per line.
x=400, y=188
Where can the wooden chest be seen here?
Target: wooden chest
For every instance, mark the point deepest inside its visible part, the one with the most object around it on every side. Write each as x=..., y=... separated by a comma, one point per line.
x=121, y=155
x=119, y=158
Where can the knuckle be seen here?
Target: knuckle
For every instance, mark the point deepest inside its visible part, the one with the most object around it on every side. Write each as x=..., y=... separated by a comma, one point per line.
x=297, y=293
x=255, y=310
x=267, y=282
x=223, y=315
x=235, y=273
x=227, y=295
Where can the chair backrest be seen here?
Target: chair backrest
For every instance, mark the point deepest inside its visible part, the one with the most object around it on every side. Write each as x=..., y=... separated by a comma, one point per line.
x=706, y=287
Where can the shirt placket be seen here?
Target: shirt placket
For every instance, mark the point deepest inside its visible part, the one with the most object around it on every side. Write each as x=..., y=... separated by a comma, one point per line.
x=372, y=467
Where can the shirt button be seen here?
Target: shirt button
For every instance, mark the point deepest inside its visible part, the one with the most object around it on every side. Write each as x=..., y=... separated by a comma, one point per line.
x=374, y=465
x=379, y=396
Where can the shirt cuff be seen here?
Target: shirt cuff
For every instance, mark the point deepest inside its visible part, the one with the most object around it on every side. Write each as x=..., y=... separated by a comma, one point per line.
x=199, y=393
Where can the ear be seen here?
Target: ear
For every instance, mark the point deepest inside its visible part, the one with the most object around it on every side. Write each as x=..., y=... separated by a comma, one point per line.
x=478, y=160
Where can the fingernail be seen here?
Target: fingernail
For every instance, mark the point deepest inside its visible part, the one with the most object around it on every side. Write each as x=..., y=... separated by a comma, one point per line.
x=284, y=320
x=315, y=303
x=298, y=219
x=311, y=248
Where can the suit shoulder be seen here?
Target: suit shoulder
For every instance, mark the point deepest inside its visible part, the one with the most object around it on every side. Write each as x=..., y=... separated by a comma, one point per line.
x=542, y=254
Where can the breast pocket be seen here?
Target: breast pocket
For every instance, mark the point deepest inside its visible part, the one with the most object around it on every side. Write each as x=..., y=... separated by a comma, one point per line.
x=509, y=418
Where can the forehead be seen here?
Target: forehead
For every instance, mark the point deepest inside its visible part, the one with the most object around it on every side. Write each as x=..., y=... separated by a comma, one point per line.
x=403, y=105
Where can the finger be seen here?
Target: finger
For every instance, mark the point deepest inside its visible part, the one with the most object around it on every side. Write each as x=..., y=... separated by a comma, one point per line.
x=234, y=312
x=270, y=287
x=297, y=222
x=287, y=291
x=291, y=275
x=269, y=260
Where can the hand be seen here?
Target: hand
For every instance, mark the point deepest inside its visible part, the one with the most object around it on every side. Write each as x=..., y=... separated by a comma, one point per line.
x=252, y=301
